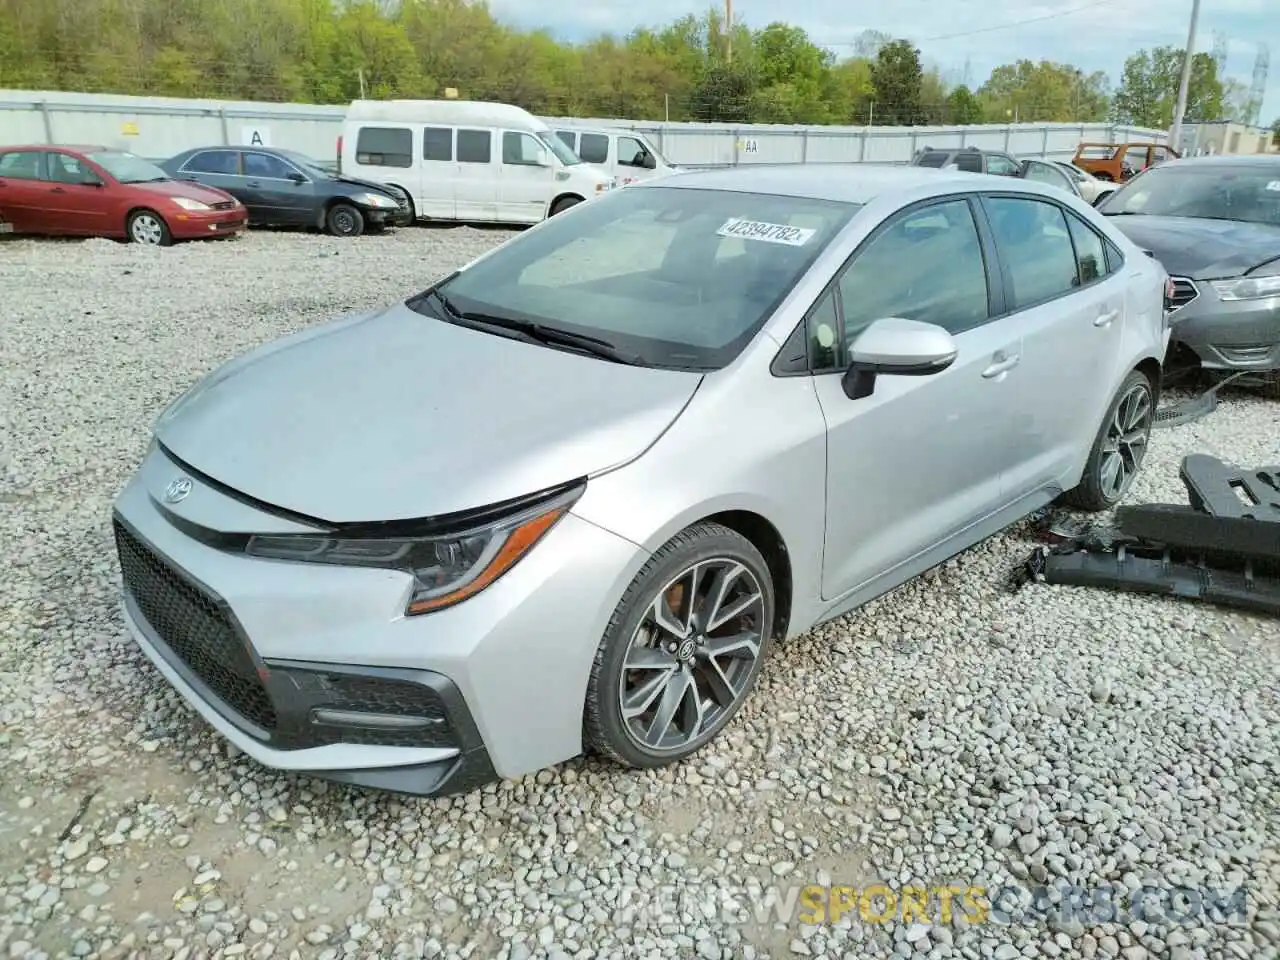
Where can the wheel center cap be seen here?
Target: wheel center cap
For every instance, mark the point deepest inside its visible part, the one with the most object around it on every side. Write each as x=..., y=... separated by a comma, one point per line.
x=684, y=653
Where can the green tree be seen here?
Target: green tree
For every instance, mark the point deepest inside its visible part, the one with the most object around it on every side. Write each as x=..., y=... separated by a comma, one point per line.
x=1044, y=92
x=1149, y=89
x=963, y=106
x=897, y=78
x=791, y=77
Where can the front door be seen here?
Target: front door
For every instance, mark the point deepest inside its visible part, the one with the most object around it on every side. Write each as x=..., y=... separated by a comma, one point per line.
x=527, y=178
x=284, y=193
x=221, y=169
x=922, y=458
x=1069, y=310
x=77, y=202
x=476, y=191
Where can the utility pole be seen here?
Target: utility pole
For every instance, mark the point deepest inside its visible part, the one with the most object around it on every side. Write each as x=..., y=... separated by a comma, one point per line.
x=728, y=31
x=1184, y=81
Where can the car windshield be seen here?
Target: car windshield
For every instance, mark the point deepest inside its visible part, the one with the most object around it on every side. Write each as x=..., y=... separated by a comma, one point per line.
x=1249, y=193
x=678, y=278
x=557, y=146
x=304, y=163
x=127, y=168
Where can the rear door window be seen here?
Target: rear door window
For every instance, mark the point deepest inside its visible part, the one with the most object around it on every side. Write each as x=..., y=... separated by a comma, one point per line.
x=22, y=165
x=437, y=143
x=475, y=146
x=384, y=147
x=224, y=162
x=1035, y=247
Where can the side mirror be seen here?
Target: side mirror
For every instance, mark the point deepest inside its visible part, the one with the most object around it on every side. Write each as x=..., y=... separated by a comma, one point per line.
x=649, y=162
x=297, y=178
x=896, y=347
x=91, y=181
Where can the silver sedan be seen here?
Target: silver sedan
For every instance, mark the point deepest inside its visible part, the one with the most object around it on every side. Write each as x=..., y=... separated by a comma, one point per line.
x=569, y=497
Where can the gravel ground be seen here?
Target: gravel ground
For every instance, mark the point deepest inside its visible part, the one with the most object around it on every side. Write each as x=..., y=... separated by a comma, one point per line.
x=951, y=732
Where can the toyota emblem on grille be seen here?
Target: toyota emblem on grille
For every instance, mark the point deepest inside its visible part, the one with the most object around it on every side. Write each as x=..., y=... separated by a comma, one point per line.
x=177, y=490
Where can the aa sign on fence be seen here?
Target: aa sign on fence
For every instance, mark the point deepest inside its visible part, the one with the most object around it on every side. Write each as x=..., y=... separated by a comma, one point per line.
x=255, y=136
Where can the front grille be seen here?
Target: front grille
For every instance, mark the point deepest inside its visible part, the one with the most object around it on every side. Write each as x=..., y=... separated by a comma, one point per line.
x=1184, y=291
x=195, y=627
x=358, y=694
x=224, y=205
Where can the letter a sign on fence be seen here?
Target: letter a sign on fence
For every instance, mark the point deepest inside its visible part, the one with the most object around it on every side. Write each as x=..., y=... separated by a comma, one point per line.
x=255, y=136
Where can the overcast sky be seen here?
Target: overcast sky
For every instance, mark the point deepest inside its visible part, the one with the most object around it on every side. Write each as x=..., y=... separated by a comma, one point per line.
x=1094, y=35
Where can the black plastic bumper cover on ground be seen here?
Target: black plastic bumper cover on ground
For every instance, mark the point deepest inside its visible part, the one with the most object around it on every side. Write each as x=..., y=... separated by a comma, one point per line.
x=294, y=705
x=1224, y=548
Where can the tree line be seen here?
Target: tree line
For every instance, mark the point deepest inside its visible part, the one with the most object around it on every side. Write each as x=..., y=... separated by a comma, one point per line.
x=333, y=51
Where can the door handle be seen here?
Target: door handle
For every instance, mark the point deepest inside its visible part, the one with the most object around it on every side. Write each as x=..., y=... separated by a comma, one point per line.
x=253, y=183
x=1106, y=319
x=1000, y=364
x=56, y=190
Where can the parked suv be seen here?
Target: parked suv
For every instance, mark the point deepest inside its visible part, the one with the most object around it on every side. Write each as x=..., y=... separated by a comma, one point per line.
x=968, y=159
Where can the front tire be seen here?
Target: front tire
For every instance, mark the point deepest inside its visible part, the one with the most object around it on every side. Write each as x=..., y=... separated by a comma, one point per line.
x=683, y=649
x=148, y=227
x=563, y=204
x=344, y=220
x=1120, y=447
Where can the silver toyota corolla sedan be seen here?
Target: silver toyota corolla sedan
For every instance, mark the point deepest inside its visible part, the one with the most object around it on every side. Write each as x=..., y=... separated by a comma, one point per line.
x=567, y=498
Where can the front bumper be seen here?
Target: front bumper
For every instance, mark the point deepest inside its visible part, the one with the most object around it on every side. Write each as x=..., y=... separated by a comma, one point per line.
x=1229, y=335
x=314, y=668
x=198, y=226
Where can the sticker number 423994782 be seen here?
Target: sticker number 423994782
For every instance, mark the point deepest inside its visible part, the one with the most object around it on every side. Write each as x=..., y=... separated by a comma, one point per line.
x=767, y=232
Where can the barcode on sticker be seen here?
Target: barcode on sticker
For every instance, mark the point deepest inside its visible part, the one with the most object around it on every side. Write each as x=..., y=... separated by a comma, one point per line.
x=768, y=232
x=1274, y=185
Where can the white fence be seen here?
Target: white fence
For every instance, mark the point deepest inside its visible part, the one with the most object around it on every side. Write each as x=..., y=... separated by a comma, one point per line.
x=159, y=127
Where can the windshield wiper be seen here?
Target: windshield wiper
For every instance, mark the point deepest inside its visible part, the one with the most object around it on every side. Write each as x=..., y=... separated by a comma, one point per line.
x=541, y=333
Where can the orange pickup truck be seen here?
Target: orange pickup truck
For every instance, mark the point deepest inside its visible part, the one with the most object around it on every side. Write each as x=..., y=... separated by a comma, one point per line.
x=1120, y=161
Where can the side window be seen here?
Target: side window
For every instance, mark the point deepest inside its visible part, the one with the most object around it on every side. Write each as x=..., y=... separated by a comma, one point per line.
x=927, y=264
x=594, y=148
x=1135, y=158
x=21, y=165
x=520, y=149
x=225, y=162
x=1090, y=255
x=384, y=147
x=474, y=146
x=437, y=143
x=1036, y=248
x=822, y=334
x=64, y=168
x=1001, y=166
x=1115, y=259
x=265, y=165
x=569, y=138
x=969, y=162
x=631, y=152
x=1044, y=173
x=1158, y=154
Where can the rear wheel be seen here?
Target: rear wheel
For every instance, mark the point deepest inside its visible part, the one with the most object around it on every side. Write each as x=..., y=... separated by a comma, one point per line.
x=148, y=227
x=1120, y=447
x=344, y=220
x=683, y=650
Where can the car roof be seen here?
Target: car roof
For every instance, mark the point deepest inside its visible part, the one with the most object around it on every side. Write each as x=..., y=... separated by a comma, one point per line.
x=1265, y=160
x=66, y=147
x=842, y=182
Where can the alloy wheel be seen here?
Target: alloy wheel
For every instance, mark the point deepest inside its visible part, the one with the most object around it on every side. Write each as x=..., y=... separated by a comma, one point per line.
x=692, y=656
x=343, y=222
x=1126, y=441
x=146, y=229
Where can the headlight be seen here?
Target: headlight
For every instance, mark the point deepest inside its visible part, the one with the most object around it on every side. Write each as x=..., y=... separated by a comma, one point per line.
x=186, y=203
x=446, y=569
x=1264, y=283
x=375, y=200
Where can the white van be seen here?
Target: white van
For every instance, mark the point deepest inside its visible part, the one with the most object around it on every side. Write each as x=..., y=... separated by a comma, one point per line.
x=626, y=155
x=466, y=160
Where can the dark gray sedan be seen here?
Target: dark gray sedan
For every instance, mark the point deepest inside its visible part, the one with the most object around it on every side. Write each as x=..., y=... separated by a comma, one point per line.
x=1214, y=223
x=287, y=189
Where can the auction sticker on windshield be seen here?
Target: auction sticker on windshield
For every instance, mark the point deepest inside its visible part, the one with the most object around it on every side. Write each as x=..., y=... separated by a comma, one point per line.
x=768, y=232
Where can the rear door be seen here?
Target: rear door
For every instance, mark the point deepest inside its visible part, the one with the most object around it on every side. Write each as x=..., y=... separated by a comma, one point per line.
x=78, y=199
x=1069, y=311
x=221, y=169
x=479, y=173
x=438, y=176
x=24, y=191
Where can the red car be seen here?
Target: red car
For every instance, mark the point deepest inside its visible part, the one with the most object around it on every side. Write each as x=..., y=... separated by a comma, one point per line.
x=98, y=192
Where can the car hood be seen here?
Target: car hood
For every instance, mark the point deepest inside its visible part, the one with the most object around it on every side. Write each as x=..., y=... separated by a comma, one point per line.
x=183, y=188
x=367, y=184
x=1202, y=249
x=394, y=415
